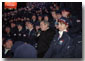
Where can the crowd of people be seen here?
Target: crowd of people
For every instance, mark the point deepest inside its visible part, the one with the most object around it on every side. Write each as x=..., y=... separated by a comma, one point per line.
x=41, y=30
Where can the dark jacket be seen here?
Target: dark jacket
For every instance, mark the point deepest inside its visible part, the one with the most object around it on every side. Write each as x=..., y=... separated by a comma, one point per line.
x=30, y=36
x=9, y=54
x=60, y=48
x=19, y=35
x=44, y=41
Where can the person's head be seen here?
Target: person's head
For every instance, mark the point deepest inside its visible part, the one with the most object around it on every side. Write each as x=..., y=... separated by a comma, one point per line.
x=27, y=19
x=13, y=25
x=11, y=20
x=53, y=13
x=22, y=19
x=51, y=7
x=63, y=24
x=65, y=12
x=7, y=29
x=44, y=25
x=18, y=18
x=19, y=27
x=58, y=14
x=46, y=18
x=39, y=18
x=37, y=28
x=29, y=25
x=33, y=17
x=8, y=44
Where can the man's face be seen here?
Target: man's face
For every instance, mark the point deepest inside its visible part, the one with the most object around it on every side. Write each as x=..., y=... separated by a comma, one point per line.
x=8, y=44
x=65, y=13
x=39, y=18
x=7, y=29
x=19, y=27
x=46, y=18
x=54, y=15
x=62, y=26
x=29, y=25
x=43, y=26
x=59, y=16
x=33, y=17
x=12, y=25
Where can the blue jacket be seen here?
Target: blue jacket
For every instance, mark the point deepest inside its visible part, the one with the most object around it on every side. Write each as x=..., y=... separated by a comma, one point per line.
x=60, y=48
x=25, y=51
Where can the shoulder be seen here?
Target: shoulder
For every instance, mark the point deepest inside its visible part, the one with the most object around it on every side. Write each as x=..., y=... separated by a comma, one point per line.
x=51, y=30
x=66, y=36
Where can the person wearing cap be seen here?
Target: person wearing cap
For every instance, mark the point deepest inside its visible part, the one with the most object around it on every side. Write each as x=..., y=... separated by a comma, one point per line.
x=34, y=19
x=65, y=12
x=39, y=20
x=46, y=35
x=19, y=33
x=30, y=32
x=6, y=48
x=7, y=31
x=75, y=31
x=13, y=29
x=46, y=18
x=61, y=45
x=56, y=15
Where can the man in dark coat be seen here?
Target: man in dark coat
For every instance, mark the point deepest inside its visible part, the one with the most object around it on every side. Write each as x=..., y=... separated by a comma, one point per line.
x=30, y=33
x=45, y=38
x=19, y=33
x=6, y=48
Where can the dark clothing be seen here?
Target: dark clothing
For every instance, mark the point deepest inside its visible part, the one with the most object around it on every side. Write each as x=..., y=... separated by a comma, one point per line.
x=8, y=35
x=25, y=51
x=9, y=54
x=60, y=48
x=13, y=31
x=44, y=41
x=75, y=27
x=52, y=23
x=30, y=36
x=19, y=35
x=78, y=46
x=33, y=22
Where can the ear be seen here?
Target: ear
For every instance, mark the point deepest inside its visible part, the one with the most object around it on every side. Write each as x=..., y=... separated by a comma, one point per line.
x=66, y=26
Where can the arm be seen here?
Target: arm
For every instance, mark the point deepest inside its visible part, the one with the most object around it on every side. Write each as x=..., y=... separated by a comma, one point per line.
x=49, y=53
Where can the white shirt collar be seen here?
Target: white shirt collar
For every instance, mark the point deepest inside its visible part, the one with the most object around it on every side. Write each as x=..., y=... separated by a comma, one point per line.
x=20, y=30
x=6, y=50
x=61, y=33
x=30, y=29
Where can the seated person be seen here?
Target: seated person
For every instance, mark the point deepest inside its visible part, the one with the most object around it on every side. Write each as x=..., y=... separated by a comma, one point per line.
x=6, y=48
